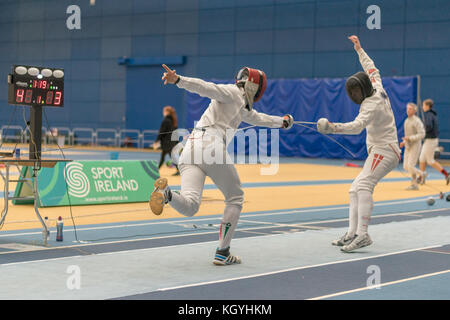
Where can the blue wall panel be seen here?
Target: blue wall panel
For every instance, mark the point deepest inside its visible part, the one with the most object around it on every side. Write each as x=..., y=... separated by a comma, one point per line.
x=391, y=11
x=293, y=40
x=147, y=46
x=148, y=24
x=294, y=65
x=337, y=13
x=295, y=16
x=85, y=70
x=255, y=42
x=182, y=22
x=145, y=6
x=216, y=20
x=222, y=43
x=334, y=38
x=223, y=67
x=254, y=18
x=285, y=38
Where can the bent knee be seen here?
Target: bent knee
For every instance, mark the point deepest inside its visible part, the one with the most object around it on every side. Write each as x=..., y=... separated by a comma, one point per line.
x=362, y=185
x=237, y=198
x=193, y=205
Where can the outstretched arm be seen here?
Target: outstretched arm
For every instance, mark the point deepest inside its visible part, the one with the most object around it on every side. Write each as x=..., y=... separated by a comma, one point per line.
x=263, y=120
x=203, y=88
x=366, y=62
x=354, y=127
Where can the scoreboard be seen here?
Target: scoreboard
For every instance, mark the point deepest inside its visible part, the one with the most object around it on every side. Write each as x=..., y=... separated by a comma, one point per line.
x=36, y=86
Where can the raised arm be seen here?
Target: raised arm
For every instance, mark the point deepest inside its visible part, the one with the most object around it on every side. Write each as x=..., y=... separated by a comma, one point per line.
x=221, y=93
x=366, y=62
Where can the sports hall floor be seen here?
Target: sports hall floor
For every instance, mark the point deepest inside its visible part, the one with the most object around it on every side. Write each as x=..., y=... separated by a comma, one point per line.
x=286, y=227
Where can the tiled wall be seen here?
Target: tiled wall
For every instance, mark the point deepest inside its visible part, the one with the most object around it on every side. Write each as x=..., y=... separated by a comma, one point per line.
x=285, y=38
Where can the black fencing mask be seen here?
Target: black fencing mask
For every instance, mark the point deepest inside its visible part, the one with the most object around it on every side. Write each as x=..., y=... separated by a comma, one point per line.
x=359, y=87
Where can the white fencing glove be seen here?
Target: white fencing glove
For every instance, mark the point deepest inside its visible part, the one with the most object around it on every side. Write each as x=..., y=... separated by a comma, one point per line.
x=324, y=126
x=288, y=121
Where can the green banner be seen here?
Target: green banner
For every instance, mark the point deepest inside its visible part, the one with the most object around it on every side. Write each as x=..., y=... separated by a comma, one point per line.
x=96, y=182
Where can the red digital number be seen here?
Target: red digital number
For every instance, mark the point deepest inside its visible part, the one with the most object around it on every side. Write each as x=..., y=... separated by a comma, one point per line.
x=44, y=84
x=35, y=83
x=28, y=96
x=19, y=95
x=38, y=99
x=58, y=95
x=49, y=98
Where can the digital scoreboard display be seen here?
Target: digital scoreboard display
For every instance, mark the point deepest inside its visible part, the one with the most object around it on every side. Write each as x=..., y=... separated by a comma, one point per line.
x=36, y=86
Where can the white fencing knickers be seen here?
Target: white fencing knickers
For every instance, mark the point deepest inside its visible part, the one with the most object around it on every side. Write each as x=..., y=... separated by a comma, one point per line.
x=221, y=172
x=381, y=161
x=410, y=158
x=428, y=149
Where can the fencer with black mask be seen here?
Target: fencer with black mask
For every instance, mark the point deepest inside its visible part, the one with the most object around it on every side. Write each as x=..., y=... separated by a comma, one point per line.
x=230, y=105
x=376, y=116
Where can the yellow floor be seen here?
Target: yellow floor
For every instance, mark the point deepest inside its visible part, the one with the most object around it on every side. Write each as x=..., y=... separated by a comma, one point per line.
x=256, y=199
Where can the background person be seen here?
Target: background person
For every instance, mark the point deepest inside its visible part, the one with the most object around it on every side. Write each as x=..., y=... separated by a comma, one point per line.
x=412, y=141
x=164, y=138
x=430, y=143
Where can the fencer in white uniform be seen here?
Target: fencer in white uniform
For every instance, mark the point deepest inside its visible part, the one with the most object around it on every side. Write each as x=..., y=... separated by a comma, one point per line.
x=376, y=116
x=205, y=151
x=412, y=142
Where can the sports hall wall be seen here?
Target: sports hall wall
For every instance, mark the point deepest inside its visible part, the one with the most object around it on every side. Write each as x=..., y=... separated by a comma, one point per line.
x=286, y=38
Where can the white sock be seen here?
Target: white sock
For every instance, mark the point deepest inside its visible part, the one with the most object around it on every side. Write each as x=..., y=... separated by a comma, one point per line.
x=365, y=206
x=353, y=214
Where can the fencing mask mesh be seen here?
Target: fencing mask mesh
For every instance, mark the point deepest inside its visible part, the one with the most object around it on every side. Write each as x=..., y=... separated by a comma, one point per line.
x=254, y=82
x=359, y=87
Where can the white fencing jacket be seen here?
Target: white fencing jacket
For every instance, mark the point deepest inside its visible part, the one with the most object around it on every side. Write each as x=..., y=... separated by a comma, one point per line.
x=414, y=130
x=375, y=113
x=227, y=108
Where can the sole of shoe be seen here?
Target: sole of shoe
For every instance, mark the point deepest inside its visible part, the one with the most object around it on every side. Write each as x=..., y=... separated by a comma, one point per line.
x=363, y=246
x=157, y=200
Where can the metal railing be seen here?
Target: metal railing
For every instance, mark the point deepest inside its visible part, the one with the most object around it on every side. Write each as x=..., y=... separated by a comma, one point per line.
x=84, y=135
x=106, y=137
x=444, y=153
x=129, y=138
x=151, y=134
x=7, y=136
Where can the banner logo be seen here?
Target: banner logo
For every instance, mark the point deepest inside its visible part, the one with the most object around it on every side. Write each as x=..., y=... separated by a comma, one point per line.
x=77, y=180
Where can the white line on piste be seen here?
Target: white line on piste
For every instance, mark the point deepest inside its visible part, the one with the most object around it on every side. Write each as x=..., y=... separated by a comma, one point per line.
x=380, y=285
x=290, y=269
x=218, y=216
x=272, y=225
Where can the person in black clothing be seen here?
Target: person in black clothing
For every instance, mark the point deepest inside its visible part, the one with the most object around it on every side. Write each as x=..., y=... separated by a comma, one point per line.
x=430, y=143
x=164, y=139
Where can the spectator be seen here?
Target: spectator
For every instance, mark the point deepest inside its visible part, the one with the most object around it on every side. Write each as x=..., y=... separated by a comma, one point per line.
x=430, y=144
x=164, y=139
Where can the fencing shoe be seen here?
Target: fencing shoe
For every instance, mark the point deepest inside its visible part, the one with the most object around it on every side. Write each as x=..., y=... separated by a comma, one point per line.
x=359, y=242
x=344, y=240
x=160, y=196
x=422, y=177
x=224, y=257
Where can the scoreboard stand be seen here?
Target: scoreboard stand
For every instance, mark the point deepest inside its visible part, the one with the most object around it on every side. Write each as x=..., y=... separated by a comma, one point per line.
x=35, y=87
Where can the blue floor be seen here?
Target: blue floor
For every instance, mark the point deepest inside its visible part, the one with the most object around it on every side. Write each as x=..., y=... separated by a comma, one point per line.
x=286, y=255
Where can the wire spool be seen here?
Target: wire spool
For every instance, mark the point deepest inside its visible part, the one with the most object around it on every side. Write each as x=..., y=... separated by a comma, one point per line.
x=430, y=201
